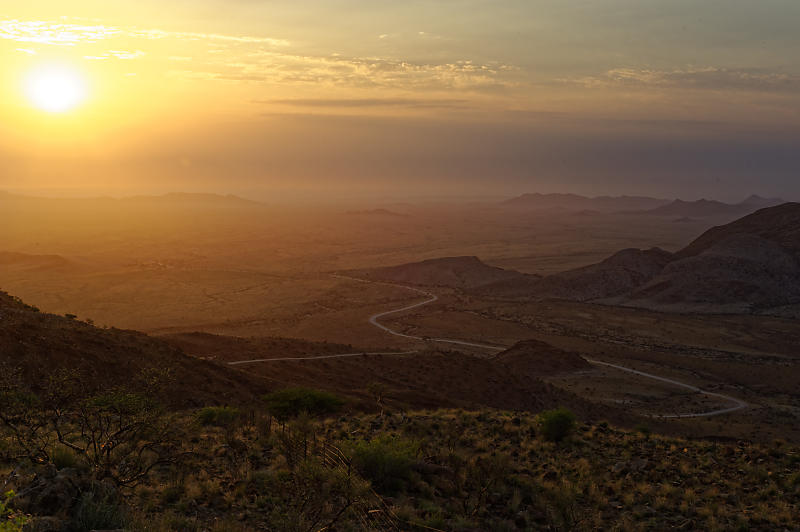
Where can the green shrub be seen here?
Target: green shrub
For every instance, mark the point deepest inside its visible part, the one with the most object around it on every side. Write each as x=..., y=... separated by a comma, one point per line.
x=386, y=462
x=96, y=511
x=291, y=402
x=63, y=458
x=10, y=521
x=556, y=424
x=218, y=416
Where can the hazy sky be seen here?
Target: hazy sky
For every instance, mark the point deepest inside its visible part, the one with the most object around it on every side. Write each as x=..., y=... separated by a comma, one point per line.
x=371, y=98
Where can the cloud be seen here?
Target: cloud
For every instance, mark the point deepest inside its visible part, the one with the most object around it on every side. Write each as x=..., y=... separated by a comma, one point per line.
x=372, y=102
x=247, y=58
x=355, y=72
x=70, y=34
x=192, y=36
x=54, y=33
x=715, y=78
x=117, y=54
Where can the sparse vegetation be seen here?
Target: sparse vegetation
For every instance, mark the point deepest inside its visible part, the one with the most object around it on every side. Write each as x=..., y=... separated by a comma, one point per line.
x=219, y=416
x=291, y=402
x=447, y=469
x=385, y=461
x=557, y=424
x=10, y=521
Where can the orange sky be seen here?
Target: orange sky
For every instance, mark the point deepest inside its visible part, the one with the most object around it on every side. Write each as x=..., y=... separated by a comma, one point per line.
x=376, y=98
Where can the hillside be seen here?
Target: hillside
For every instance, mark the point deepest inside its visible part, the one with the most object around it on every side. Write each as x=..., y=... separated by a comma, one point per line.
x=451, y=272
x=537, y=359
x=618, y=274
x=39, y=343
x=779, y=224
x=750, y=265
x=425, y=379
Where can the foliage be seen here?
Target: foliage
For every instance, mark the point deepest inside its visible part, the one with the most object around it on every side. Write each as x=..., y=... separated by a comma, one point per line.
x=63, y=458
x=120, y=434
x=557, y=424
x=98, y=511
x=10, y=521
x=291, y=402
x=218, y=416
x=311, y=497
x=386, y=462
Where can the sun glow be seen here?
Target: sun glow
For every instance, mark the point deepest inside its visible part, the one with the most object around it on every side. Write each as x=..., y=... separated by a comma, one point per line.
x=55, y=88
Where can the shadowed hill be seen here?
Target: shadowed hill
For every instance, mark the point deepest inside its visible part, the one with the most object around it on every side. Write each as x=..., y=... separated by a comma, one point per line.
x=752, y=264
x=618, y=274
x=749, y=265
x=39, y=343
x=537, y=359
x=780, y=225
x=452, y=272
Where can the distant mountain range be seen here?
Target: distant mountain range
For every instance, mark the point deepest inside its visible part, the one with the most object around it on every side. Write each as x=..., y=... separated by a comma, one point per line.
x=705, y=207
x=574, y=202
x=172, y=198
x=640, y=205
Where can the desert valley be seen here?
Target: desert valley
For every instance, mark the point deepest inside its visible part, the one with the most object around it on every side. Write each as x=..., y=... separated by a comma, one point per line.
x=517, y=306
x=448, y=266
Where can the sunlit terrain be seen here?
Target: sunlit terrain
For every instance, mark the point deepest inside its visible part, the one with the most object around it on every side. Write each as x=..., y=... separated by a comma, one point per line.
x=450, y=266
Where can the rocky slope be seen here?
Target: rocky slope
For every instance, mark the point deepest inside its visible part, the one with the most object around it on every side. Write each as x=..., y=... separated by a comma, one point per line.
x=619, y=274
x=751, y=265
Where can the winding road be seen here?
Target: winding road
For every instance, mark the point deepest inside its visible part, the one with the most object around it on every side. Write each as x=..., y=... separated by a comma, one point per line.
x=738, y=404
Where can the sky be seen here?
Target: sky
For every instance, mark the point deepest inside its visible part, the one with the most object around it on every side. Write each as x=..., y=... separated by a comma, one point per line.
x=331, y=99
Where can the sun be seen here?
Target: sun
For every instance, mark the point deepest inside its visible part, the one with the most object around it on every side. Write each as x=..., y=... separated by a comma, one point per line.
x=55, y=88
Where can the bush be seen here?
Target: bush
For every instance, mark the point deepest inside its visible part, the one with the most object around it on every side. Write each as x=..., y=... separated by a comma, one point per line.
x=219, y=416
x=98, y=511
x=9, y=521
x=556, y=424
x=386, y=462
x=291, y=402
x=64, y=458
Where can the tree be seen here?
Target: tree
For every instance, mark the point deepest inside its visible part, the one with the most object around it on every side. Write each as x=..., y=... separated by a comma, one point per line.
x=119, y=433
x=291, y=402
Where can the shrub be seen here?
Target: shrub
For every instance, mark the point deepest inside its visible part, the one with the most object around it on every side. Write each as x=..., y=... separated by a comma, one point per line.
x=386, y=462
x=63, y=458
x=96, y=511
x=556, y=424
x=219, y=416
x=289, y=403
x=9, y=521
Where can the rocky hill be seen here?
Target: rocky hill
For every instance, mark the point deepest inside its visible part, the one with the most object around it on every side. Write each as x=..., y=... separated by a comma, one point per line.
x=537, y=359
x=751, y=265
x=452, y=272
x=618, y=274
